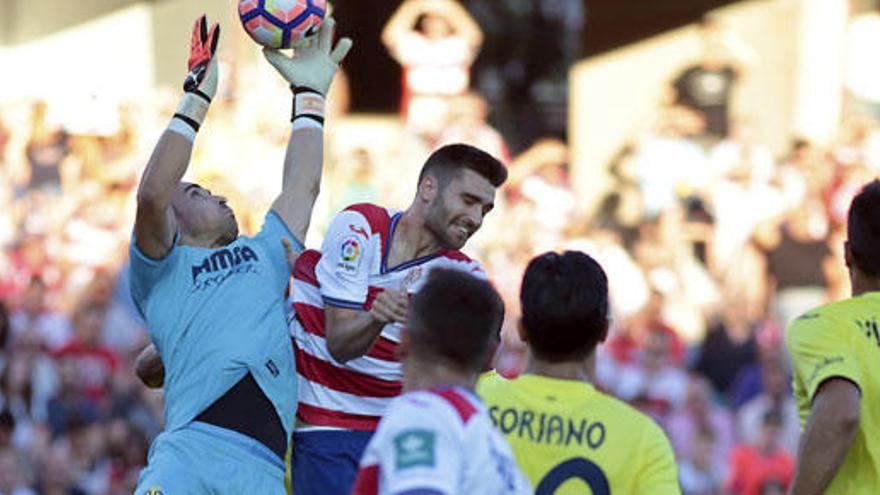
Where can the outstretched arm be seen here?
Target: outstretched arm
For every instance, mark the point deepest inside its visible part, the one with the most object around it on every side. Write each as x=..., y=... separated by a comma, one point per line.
x=155, y=223
x=309, y=72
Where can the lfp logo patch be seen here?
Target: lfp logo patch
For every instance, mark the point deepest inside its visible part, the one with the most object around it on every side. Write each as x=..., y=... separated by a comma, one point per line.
x=350, y=250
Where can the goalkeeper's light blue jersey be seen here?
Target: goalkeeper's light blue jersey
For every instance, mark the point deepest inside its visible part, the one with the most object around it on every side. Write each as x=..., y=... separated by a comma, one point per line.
x=217, y=314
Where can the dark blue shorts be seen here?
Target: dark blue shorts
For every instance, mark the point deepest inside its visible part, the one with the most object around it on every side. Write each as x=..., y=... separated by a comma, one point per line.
x=326, y=462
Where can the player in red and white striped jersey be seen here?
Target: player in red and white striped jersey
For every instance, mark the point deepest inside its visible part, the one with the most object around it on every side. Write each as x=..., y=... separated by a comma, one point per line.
x=438, y=438
x=350, y=300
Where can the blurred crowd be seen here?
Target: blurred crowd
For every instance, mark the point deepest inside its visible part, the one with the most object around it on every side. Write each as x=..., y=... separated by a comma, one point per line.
x=711, y=241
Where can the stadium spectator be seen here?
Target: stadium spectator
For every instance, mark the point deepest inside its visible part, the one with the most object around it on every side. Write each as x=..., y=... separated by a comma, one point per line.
x=763, y=467
x=729, y=346
x=776, y=396
x=706, y=87
x=34, y=315
x=46, y=150
x=799, y=262
x=699, y=473
x=94, y=362
x=466, y=123
x=654, y=384
x=12, y=474
x=700, y=413
x=435, y=41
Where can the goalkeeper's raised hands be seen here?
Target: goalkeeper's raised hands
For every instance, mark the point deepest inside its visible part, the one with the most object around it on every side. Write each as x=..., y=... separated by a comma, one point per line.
x=312, y=66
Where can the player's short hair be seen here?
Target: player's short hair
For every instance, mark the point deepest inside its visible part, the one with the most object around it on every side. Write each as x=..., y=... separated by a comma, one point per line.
x=863, y=229
x=564, y=300
x=448, y=161
x=455, y=317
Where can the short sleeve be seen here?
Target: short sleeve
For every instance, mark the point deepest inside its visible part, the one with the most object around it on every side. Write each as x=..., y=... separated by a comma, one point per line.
x=658, y=472
x=146, y=272
x=344, y=269
x=820, y=350
x=269, y=238
x=419, y=452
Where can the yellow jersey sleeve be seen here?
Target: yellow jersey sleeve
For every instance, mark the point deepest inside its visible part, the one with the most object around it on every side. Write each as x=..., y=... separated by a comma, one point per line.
x=821, y=348
x=659, y=472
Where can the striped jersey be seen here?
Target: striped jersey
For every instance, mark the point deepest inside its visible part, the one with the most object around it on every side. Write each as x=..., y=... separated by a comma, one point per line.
x=349, y=272
x=439, y=441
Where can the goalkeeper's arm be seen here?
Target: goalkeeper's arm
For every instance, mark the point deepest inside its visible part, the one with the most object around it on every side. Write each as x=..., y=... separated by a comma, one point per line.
x=155, y=223
x=309, y=73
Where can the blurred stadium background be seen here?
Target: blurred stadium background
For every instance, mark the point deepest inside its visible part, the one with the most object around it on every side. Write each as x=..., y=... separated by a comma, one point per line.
x=704, y=151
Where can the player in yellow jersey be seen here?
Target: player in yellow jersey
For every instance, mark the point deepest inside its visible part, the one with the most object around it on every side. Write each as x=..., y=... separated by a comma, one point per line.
x=835, y=353
x=569, y=437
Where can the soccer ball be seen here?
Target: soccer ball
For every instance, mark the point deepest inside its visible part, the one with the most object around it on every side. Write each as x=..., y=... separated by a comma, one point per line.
x=281, y=23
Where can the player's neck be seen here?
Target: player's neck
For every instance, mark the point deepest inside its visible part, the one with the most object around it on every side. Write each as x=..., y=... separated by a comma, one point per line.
x=566, y=370
x=207, y=243
x=412, y=239
x=863, y=285
x=421, y=375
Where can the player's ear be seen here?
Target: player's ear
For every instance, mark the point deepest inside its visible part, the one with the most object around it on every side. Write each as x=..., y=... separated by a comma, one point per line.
x=429, y=188
x=521, y=331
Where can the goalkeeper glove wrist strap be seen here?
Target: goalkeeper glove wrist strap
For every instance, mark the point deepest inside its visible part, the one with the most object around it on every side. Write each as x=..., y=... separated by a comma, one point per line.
x=190, y=114
x=308, y=107
x=193, y=108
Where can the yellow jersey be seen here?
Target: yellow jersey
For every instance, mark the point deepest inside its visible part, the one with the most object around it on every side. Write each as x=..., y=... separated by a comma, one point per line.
x=842, y=340
x=568, y=437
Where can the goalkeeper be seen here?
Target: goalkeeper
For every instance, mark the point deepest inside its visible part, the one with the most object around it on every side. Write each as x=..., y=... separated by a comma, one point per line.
x=214, y=301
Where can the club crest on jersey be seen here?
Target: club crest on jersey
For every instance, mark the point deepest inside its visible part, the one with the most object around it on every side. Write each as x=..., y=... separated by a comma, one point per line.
x=413, y=448
x=154, y=490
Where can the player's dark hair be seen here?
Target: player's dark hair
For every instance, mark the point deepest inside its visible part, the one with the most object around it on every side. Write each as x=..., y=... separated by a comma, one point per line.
x=863, y=229
x=564, y=300
x=448, y=161
x=456, y=317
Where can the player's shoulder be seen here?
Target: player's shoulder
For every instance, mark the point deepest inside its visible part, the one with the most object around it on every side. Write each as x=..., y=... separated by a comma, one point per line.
x=378, y=217
x=824, y=317
x=457, y=259
x=624, y=414
x=444, y=406
x=491, y=383
x=304, y=268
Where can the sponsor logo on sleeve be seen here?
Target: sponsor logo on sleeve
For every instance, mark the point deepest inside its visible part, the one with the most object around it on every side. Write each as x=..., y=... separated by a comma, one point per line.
x=350, y=252
x=414, y=448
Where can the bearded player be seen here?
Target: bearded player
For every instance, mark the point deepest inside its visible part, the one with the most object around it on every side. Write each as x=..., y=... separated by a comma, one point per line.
x=351, y=299
x=213, y=301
